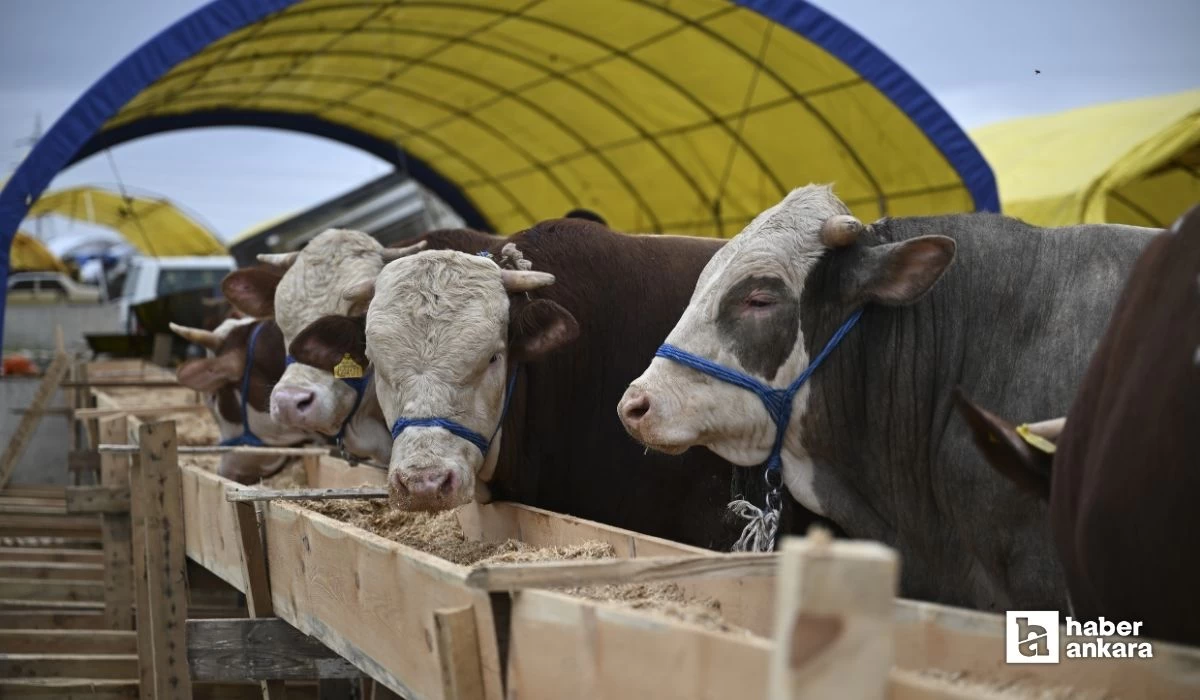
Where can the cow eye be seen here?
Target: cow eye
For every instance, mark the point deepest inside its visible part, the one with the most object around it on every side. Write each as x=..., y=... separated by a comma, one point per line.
x=759, y=300
x=494, y=358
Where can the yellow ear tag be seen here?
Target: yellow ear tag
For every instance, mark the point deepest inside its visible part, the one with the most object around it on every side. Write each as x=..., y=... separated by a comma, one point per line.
x=347, y=368
x=1036, y=441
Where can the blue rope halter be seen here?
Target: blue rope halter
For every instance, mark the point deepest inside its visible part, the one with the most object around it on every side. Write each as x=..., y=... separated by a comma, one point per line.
x=247, y=438
x=458, y=429
x=778, y=403
x=359, y=385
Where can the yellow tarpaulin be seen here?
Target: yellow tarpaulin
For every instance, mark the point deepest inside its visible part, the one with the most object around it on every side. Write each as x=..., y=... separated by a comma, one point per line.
x=153, y=226
x=29, y=255
x=1134, y=162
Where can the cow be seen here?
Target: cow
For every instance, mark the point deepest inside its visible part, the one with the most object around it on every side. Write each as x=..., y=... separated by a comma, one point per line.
x=245, y=359
x=866, y=437
x=303, y=293
x=1120, y=475
x=495, y=371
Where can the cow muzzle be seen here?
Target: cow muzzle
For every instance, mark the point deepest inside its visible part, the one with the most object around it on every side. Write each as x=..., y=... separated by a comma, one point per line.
x=641, y=415
x=427, y=487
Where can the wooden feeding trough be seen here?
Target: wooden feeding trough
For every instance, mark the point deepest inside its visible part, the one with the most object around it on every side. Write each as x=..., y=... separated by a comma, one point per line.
x=819, y=619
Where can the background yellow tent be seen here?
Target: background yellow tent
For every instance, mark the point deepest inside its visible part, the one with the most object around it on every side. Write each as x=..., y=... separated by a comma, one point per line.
x=152, y=225
x=1134, y=162
x=29, y=255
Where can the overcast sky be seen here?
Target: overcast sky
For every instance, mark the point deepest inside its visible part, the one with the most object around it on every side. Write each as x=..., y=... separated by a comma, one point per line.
x=977, y=57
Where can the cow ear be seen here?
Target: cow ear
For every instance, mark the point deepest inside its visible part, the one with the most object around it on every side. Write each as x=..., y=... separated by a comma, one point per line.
x=899, y=274
x=1004, y=449
x=538, y=328
x=252, y=290
x=326, y=340
x=211, y=373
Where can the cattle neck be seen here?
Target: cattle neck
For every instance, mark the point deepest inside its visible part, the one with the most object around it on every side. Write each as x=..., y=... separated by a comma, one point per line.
x=458, y=429
x=247, y=438
x=759, y=533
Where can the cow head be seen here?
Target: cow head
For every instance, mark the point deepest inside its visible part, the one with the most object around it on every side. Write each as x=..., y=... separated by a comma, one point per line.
x=795, y=267
x=219, y=378
x=310, y=397
x=444, y=334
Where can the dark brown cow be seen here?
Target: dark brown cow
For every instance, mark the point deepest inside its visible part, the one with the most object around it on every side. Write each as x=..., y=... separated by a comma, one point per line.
x=1126, y=468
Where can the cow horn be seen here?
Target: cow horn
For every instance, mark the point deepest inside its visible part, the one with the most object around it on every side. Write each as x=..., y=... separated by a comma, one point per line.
x=390, y=254
x=840, y=231
x=359, y=295
x=199, y=336
x=515, y=281
x=284, y=260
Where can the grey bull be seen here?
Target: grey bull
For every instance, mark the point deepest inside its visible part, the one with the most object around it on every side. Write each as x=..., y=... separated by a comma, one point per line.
x=1009, y=311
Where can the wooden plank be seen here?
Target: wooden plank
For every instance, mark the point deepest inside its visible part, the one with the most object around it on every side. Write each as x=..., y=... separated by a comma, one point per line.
x=833, y=616
x=52, y=619
x=166, y=576
x=161, y=354
x=51, y=570
x=258, y=587
x=220, y=450
x=251, y=494
x=119, y=384
x=77, y=526
x=122, y=666
x=49, y=605
x=42, y=501
x=40, y=509
x=146, y=411
x=67, y=642
x=67, y=689
x=116, y=530
x=98, y=499
x=562, y=574
x=29, y=422
x=51, y=554
x=83, y=461
x=458, y=653
x=34, y=490
x=51, y=590
x=259, y=649
x=141, y=587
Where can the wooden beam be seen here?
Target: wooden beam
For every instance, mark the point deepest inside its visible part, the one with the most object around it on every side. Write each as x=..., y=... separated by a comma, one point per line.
x=833, y=619
x=118, y=384
x=115, y=666
x=258, y=586
x=52, y=619
x=40, y=509
x=29, y=422
x=165, y=561
x=51, y=590
x=90, y=413
x=57, y=570
x=67, y=642
x=51, y=554
x=221, y=450
x=260, y=649
x=247, y=494
x=116, y=530
x=98, y=499
x=559, y=574
x=67, y=689
x=74, y=527
x=458, y=653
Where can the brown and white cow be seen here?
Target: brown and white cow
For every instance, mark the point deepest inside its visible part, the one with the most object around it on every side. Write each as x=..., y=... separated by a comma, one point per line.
x=1125, y=469
x=572, y=310
x=870, y=442
x=304, y=294
x=220, y=377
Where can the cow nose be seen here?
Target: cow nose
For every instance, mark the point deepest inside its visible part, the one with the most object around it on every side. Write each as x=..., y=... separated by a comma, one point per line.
x=293, y=403
x=427, y=488
x=634, y=407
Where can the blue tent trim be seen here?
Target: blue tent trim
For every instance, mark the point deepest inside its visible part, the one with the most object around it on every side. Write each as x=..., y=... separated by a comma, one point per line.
x=418, y=169
x=74, y=135
x=888, y=77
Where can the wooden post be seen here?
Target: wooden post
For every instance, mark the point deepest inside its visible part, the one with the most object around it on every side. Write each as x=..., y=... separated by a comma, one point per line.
x=161, y=354
x=141, y=586
x=833, y=619
x=458, y=653
x=258, y=586
x=116, y=533
x=166, y=573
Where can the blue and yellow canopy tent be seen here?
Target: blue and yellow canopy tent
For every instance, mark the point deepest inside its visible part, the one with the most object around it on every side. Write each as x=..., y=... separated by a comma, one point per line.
x=1131, y=162
x=688, y=116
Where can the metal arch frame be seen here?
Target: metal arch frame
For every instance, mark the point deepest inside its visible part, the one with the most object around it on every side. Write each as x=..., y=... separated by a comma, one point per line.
x=78, y=132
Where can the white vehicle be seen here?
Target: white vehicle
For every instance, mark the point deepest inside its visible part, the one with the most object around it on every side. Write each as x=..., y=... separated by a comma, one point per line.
x=150, y=278
x=51, y=287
